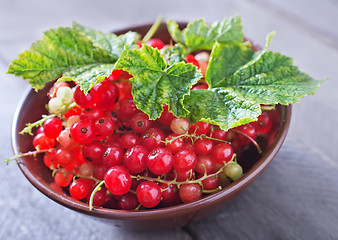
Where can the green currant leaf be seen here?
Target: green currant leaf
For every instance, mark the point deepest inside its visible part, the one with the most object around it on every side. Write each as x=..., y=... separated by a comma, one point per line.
x=155, y=83
x=173, y=54
x=198, y=35
x=70, y=51
x=88, y=75
x=272, y=79
x=224, y=61
x=222, y=107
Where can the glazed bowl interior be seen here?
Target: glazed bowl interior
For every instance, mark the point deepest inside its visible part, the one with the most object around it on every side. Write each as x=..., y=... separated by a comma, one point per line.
x=32, y=106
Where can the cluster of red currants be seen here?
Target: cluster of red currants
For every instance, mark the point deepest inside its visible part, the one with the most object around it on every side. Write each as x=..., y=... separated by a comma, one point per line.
x=102, y=139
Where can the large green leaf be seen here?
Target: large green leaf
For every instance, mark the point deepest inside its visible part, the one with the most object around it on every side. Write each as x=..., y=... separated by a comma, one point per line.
x=198, y=35
x=225, y=60
x=70, y=51
x=270, y=80
x=155, y=84
x=222, y=107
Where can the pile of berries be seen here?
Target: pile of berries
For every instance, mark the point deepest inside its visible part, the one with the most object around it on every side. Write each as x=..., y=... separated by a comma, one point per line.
x=105, y=151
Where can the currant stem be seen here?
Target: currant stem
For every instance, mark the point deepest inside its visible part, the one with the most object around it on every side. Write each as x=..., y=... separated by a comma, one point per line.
x=192, y=136
x=250, y=138
x=30, y=153
x=76, y=175
x=30, y=126
x=212, y=190
x=153, y=29
x=96, y=189
x=199, y=181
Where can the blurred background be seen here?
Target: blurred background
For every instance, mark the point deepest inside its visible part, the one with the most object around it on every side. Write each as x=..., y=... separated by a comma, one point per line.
x=295, y=198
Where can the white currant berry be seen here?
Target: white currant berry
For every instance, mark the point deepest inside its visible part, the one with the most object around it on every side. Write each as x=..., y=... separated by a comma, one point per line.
x=55, y=105
x=202, y=57
x=65, y=94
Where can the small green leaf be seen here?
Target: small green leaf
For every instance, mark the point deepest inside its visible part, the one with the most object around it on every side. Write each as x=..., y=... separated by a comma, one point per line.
x=173, y=54
x=222, y=107
x=175, y=32
x=198, y=35
x=155, y=83
x=70, y=51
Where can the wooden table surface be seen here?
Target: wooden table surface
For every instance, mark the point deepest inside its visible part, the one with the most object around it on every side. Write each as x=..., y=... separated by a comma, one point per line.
x=295, y=198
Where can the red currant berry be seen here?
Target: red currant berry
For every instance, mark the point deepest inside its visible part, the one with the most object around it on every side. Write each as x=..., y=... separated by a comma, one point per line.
x=182, y=176
x=129, y=140
x=93, y=152
x=249, y=134
x=160, y=161
x=75, y=111
x=105, y=126
x=140, y=122
x=86, y=169
x=185, y=160
x=190, y=192
x=50, y=160
x=107, y=94
x=174, y=145
x=204, y=164
x=153, y=138
x=115, y=75
x=200, y=128
x=203, y=146
x=117, y=180
x=200, y=86
x=52, y=127
x=128, y=201
x=170, y=194
x=166, y=116
x=127, y=109
x=156, y=43
x=149, y=194
x=39, y=130
x=42, y=142
x=263, y=124
x=80, y=188
x=179, y=126
x=64, y=157
x=124, y=90
x=191, y=59
x=100, y=171
x=219, y=134
x=65, y=139
x=83, y=100
x=222, y=152
x=82, y=132
x=113, y=156
x=135, y=159
x=63, y=179
x=91, y=114
x=100, y=198
x=211, y=183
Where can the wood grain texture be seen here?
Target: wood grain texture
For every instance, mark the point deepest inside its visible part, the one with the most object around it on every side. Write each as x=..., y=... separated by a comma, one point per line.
x=295, y=198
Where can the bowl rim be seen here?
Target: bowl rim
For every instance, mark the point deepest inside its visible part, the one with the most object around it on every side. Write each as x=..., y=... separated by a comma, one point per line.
x=158, y=213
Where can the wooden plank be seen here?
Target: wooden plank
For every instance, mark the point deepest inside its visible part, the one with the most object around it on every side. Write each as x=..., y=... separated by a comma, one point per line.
x=295, y=198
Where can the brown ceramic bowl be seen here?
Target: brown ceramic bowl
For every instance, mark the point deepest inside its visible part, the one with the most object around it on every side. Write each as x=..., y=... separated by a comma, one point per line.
x=32, y=106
